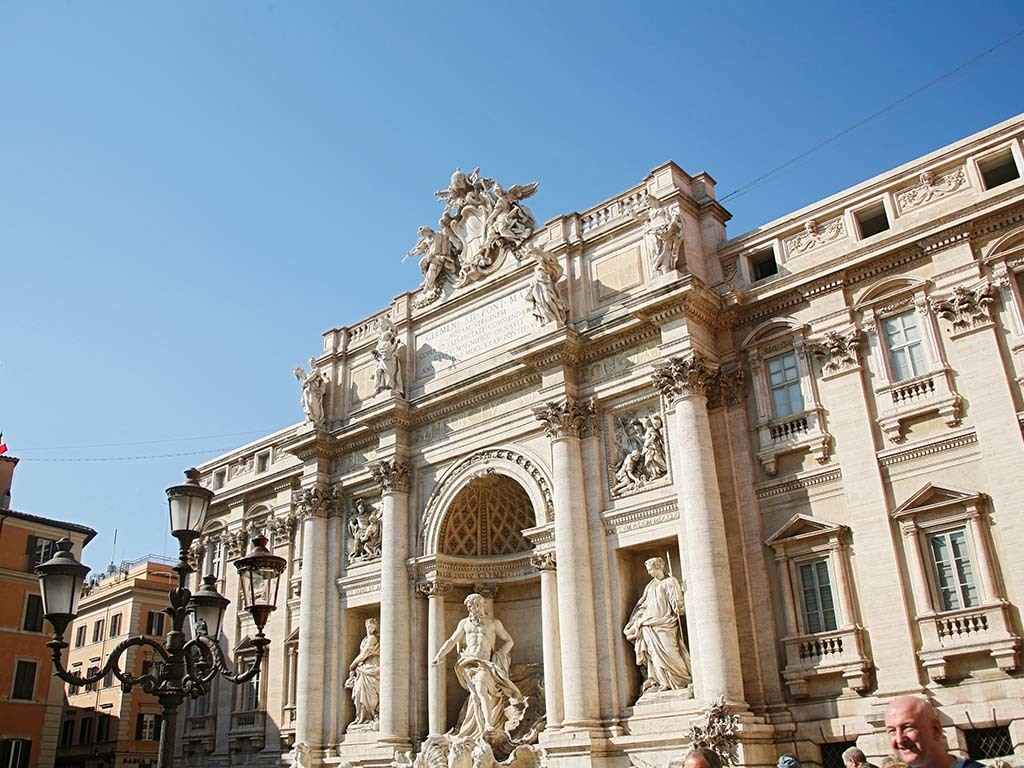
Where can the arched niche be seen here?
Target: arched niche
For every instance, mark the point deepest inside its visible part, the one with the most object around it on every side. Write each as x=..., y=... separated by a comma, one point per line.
x=486, y=519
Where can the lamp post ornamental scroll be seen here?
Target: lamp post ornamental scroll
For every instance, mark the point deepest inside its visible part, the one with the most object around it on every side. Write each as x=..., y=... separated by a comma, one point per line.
x=187, y=666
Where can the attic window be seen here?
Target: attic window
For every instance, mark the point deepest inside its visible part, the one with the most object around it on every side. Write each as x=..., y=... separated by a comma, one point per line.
x=219, y=478
x=998, y=170
x=871, y=221
x=763, y=264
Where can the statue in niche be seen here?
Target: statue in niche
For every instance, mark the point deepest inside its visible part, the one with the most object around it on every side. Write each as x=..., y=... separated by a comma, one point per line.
x=542, y=296
x=642, y=456
x=387, y=374
x=495, y=706
x=655, y=629
x=364, y=679
x=314, y=387
x=663, y=233
x=364, y=526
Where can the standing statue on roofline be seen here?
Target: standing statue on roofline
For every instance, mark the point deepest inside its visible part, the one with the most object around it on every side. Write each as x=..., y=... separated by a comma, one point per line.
x=314, y=387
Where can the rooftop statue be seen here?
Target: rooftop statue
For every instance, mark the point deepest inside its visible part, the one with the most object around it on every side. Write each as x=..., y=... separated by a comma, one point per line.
x=314, y=387
x=663, y=233
x=481, y=222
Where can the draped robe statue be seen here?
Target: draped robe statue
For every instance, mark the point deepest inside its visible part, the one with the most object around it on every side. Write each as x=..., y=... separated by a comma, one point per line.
x=364, y=679
x=656, y=633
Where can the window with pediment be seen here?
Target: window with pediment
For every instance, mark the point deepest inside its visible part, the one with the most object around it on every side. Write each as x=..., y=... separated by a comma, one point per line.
x=959, y=604
x=1006, y=260
x=789, y=416
x=487, y=517
x=910, y=374
x=823, y=636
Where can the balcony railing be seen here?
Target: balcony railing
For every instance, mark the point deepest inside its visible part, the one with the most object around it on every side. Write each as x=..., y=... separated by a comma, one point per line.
x=839, y=652
x=248, y=721
x=930, y=393
x=979, y=629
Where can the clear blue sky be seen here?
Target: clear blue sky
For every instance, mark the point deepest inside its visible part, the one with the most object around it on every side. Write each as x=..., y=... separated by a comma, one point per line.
x=190, y=193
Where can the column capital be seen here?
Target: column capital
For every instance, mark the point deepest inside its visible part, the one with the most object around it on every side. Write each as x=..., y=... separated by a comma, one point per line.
x=434, y=587
x=682, y=377
x=543, y=561
x=391, y=475
x=568, y=418
x=316, y=501
x=838, y=351
x=726, y=389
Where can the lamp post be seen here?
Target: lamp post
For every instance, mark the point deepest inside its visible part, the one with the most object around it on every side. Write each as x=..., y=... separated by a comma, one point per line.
x=188, y=666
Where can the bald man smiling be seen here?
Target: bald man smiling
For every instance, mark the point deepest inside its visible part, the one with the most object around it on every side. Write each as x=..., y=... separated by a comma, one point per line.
x=915, y=735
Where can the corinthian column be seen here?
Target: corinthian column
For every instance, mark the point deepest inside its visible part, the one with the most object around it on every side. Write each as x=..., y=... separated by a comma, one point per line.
x=710, y=616
x=437, y=705
x=392, y=476
x=314, y=506
x=566, y=422
x=545, y=563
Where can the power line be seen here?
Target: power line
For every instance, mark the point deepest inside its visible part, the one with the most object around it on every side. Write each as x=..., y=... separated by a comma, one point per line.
x=746, y=187
x=144, y=442
x=133, y=458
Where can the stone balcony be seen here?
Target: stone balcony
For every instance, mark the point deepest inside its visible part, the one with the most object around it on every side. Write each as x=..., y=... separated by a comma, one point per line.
x=839, y=652
x=796, y=432
x=200, y=733
x=981, y=629
x=247, y=729
x=931, y=393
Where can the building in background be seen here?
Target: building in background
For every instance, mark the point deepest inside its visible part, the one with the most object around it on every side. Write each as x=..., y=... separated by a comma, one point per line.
x=815, y=426
x=102, y=726
x=31, y=698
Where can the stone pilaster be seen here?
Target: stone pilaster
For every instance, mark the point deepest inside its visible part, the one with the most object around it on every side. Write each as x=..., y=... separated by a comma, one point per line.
x=392, y=476
x=566, y=421
x=685, y=383
x=314, y=507
x=545, y=563
x=437, y=703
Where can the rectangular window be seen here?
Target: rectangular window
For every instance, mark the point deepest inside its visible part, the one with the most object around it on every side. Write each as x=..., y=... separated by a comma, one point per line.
x=72, y=689
x=763, y=264
x=220, y=477
x=263, y=461
x=80, y=636
x=39, y=549
x=89, y=673
x=85, y=731
x=24, y=680
x=201, y=706
x=97, y=630
x=988, y=743
x=249, y=693
x=115, y=625
x=108, y=679
x=871, y=221
x=906, y=351
x=67, y=733
x=33, y=614
x=14, y=753
x=998, y=170
x=784, y=383
x=147, y=727
x=215, y=558
x=819, y=608
x=102, y=728
x=954, y=574
x=155, y=623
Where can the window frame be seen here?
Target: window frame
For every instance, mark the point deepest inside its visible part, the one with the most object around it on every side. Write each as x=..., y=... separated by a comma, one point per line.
x=115, y=625
x=972, y=559
x=98, y=629
x=799, y=565
x=24, y=752
x=29, y=598
x=81, y=635
x=18, y=662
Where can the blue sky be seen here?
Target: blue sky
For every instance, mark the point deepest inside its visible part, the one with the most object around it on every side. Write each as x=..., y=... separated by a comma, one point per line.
x=190, y=193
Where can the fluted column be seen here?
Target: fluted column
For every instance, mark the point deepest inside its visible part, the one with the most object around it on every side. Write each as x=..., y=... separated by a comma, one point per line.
x=392, y=476
x=710, y=615
x=566, y=422
x=545, y=563
x=314, y=506
x=437, y=700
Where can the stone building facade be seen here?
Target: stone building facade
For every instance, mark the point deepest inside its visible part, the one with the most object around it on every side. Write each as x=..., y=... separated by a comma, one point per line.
x=816, y=427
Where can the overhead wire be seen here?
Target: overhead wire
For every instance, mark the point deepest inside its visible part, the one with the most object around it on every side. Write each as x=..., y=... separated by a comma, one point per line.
x=743, y=189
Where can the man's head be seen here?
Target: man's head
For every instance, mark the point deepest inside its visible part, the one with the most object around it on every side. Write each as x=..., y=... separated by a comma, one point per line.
x=702, y=757
x=476, y=605
x=371, y=626
x=915, y=733
x=854, y=757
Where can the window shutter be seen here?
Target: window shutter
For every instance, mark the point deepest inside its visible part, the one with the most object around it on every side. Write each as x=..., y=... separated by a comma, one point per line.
x=30, y=550
x=157, y=726
x=138, y=727
x=26, y=751
x=6, y=747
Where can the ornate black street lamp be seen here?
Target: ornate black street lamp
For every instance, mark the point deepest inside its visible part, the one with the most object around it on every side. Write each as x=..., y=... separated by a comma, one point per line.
x=187, y=667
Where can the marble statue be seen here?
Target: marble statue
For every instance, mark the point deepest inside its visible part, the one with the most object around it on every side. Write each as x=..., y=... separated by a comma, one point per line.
x=365, y=528
x=542, y=295
x=387, y=374
x=495, y=703
x=314, y=387
x=364, y=679
x=642, y=452
x=655, y=629
x=663, y=233
x=482, y=222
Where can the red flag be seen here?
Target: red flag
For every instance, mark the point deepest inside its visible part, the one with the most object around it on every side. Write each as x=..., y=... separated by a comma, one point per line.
x=3, y=445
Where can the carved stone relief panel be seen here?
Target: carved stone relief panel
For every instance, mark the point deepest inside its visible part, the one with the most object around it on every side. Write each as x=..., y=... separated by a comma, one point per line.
x=614, y=275
x=636, y=447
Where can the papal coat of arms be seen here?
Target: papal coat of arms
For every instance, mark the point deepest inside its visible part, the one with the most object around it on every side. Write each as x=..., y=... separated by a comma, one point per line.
x=481, y=223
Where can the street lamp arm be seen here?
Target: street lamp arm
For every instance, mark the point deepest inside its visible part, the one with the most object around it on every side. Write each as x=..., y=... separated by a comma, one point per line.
x=212, y=661
x=128, y=681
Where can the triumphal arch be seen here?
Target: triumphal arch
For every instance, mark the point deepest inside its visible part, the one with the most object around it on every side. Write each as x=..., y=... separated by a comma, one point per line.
x=599, y=489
